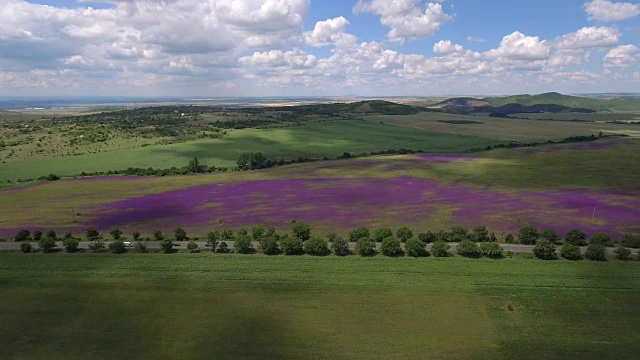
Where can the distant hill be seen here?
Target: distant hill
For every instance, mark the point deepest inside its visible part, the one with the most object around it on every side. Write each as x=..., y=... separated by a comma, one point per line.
x=365, y=107
x=598, y=104
x=472, y=105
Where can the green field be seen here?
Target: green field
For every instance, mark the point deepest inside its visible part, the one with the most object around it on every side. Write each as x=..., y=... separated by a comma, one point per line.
x=314, y=141
x=185, y=306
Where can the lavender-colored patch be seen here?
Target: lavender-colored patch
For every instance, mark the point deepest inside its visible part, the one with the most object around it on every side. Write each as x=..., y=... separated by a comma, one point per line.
x=440, y=158
x=348, y=203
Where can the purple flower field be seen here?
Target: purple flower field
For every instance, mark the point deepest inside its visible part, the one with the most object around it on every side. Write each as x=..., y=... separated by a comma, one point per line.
x=342, y=204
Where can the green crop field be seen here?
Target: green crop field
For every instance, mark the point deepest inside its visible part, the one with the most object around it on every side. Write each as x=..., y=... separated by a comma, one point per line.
x=315, y=141
x=185, y=306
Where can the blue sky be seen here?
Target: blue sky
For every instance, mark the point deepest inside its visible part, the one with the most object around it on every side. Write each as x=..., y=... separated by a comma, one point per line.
x=329, y=47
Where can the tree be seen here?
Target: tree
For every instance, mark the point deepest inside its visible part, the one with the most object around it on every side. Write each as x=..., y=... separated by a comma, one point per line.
x=269, y=245
x=340, y=246
x=140, y=247
x=365, y=247
x=226, y=235
x=415, y=248
x=252, y=161
x=404, y=233
x=291, y=246
x=596, y=252
x=552, y=236
x=223, y=248
x=243, y=244
x=468, y=248
x=545, y=250
x=528, y=235
x=50, y=234
x=23, y=235
x=47, y=245
x=316, y=246
x=157, y=235
x=427, y=237
x=192, y=246
x=136, y=235
x=71, y=245
x=576, y=237
x=458, y=234
x=440, y=249
x=97, y=245
x=480, y=234
x=117, y=247
x=37, y=235
x=442, y=236
x=180, y=234
x=509, y=239
x=301, y=230
x=67, y=235
x=195, y=167
x=601, y=239
x=212, y=239
x=257, y=233
x=630, y=240
x=570, y=252
x=622, y=253
x=166, y=246
x=359, y=233
x=491, y=250
x=92, y=234
x=25, y=247
x=391, y=247
x=115, y=233
x=380, y=234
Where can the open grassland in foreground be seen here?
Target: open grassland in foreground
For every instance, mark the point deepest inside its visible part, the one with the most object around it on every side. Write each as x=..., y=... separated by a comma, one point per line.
x=186, y=306
x=555, y=186
x=316, y=140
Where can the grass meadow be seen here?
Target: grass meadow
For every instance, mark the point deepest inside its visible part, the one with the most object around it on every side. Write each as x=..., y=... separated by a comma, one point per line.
x=314, y=141
x=185, y=306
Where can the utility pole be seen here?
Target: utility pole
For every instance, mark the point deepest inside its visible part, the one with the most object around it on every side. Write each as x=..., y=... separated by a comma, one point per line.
x=73, y=215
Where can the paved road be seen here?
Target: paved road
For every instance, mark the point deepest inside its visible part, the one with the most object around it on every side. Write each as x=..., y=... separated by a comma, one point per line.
x=183, y=245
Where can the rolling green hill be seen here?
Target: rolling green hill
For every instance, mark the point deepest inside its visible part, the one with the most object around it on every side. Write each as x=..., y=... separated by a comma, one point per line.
x=598, y=104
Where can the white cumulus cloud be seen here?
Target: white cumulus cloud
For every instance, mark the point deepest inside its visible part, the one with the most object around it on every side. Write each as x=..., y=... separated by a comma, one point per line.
x=589, y=37
x=622, y=57
x=608, y=11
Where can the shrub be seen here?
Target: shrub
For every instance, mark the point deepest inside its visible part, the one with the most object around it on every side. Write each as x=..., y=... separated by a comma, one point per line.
x=166, y=246
x=316, y=247
x=480, y=234
x=226, y=235
x=180, y=234
x=340, y=246
x=223, y=247
x=380, y=234
x=415, y=248
x=391, y=247
x=140, y=247
x=291, y=246
x=23, y=235
x=630, y=240
x=67, y=235
x=269, y=246
x=96, y=245
x=243, y=244
x=301, y=230
x=528, y=235
x=212, y=239
x=37, y=235
x=359, y=233
x=576, y=237
x=545, y=250
x=192, y=246
x=509, y=239
x=115, y=233
x=257, y=233
x=440, y=249
x=25, y=247
x=596, y=252
x=552, y=236
x=92, y=234
x=622, y=253
x=427, y=237
x=157, y=235
x=493, y=237
x=136, y=235
x=442, y=236
x=50, y=234
x=458, y=234
x=47, y=245
x=601, y=239
x=71, y=245
x=468, y=248
x=117, y=247
x=365, y=247
x=491, y=250
x=404, y=233
x=570, y=252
